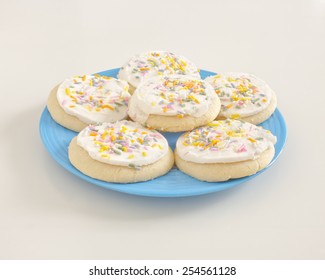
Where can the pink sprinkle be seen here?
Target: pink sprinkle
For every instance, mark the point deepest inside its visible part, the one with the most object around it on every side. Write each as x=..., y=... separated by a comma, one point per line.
x=242, y=148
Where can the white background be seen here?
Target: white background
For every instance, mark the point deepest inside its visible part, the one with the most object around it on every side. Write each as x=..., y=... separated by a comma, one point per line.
x=48, y=213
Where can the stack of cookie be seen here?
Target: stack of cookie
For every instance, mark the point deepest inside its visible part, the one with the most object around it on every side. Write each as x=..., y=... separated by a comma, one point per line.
x=118, y=121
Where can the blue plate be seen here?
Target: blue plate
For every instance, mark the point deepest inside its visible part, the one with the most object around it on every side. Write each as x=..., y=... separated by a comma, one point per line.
x=174, y=184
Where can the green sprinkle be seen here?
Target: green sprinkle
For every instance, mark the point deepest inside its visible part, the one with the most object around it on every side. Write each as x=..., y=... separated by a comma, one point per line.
x=116, y=151
x=132, y=165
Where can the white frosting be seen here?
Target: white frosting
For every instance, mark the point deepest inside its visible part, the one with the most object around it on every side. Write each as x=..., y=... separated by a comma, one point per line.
x=156, y=63
x=241, y=94
x=123, y=143
x=175, y=95
x=224, y=141
x=94, y=99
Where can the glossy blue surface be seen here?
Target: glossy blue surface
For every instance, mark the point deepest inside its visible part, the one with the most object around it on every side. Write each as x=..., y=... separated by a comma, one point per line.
x=174, y=184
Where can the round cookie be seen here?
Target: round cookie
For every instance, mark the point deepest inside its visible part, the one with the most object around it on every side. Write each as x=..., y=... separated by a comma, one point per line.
x=121, y=152
x=89, y=99
x=224, y=150
x=155, y=63
x=243, y=96
x=174, y=103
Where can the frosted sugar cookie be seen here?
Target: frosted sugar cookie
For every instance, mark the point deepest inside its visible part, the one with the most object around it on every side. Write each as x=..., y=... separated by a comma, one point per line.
x=174, y=103
x=243, y=96
x=89, y=99
x=154, y=63
x=223, y=150
x=121, y=152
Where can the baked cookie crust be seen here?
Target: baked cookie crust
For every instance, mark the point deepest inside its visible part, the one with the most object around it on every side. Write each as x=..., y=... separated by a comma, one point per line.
x=81, y=160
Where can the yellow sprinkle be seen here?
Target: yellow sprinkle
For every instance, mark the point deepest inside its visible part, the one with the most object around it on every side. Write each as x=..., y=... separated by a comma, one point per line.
x=73, y=98
x=104, y=135
x=235, y=116
x=213, y=124
x=245, y=98
x=242, y=88
x=90, y=98
x=160, y=147
x=194, y=99
x=140, y=140
x=84, y=78
x=251, y=139
x=105, y=156
x=72, y=106
x=180, y=116
x=234, y=97
x=215, y=141
x=264, y=100
x=91, y=83
x=130, y=156
x=96, y=75
x=124, y=149
x=229, y=106
x=93, y=133
x=67, y=91
x=144, y=68
x=103, y=148
x=183, y=63
x=106, y=78
x=113, y=138
x=108, y=107
x=235, y=134
x=230, y=133
x=144, y=154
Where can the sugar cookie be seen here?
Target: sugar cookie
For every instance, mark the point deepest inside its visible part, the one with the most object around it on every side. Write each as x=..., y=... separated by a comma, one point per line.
x=121, y=152
x=223, y=150
x=174, y=103
x=88, y=99
x=155, y=63
x=243, y=96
